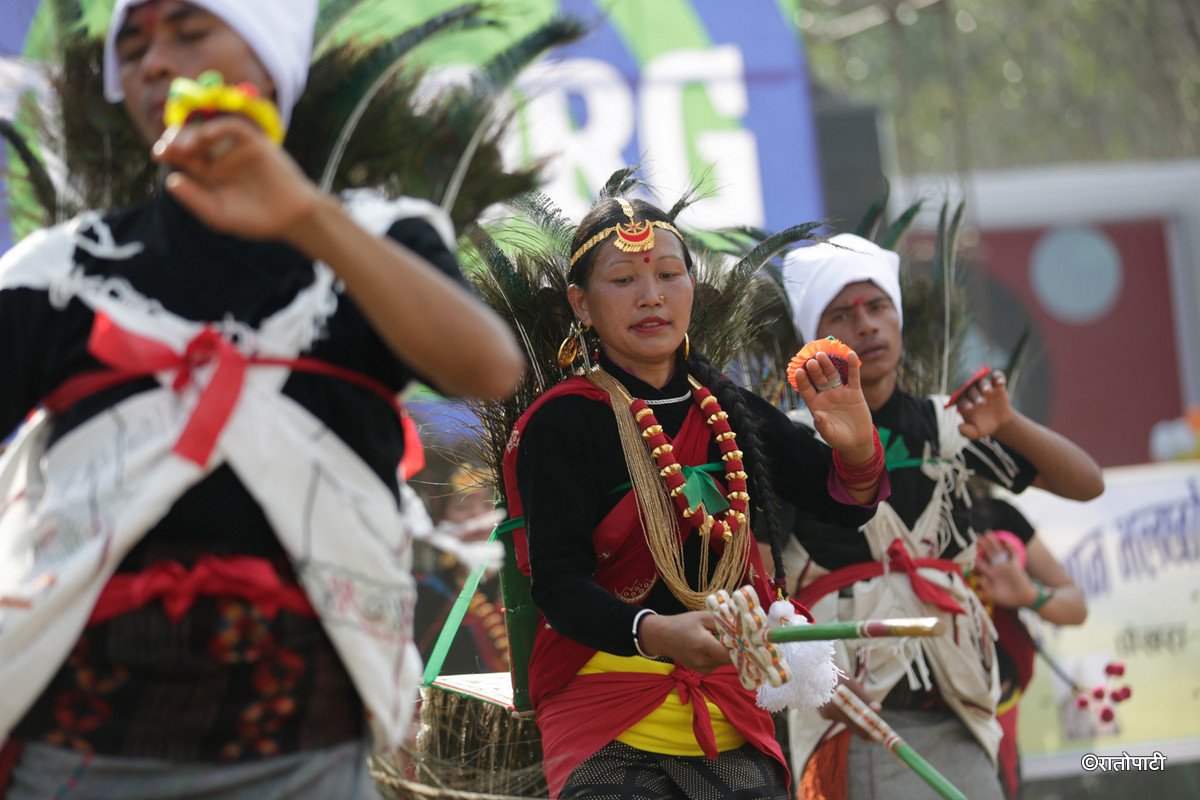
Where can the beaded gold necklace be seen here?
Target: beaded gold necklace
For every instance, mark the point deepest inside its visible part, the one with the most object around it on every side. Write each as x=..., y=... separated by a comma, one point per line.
x=660, y=485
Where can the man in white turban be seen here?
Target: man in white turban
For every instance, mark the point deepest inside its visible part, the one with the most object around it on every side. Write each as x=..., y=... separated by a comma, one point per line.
x=278, y=36
x=204, y=573
x=939, y=694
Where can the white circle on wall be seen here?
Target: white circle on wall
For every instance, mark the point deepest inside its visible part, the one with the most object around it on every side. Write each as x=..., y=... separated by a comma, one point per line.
x=1076, y=274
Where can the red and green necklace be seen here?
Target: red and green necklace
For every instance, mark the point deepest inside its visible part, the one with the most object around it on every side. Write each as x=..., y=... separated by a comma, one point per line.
x=693, y=492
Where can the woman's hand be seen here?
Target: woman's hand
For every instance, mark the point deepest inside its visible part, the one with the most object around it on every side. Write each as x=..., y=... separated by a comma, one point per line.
x=689, y=639
x=840, y=414
x=229, y=175
x=1002, y=579
x=985, y=407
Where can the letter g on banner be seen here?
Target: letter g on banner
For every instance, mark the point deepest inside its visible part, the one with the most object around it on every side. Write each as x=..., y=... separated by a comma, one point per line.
x=730, y=153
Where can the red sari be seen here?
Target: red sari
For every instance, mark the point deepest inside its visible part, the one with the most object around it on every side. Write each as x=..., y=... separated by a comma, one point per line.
x=579, y=714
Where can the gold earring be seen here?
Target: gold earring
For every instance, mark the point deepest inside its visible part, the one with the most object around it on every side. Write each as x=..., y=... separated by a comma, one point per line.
x=687, y=346
x=569, y=350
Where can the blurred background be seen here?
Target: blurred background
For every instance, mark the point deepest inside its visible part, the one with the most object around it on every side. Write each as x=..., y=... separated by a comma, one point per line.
x=1070, y=130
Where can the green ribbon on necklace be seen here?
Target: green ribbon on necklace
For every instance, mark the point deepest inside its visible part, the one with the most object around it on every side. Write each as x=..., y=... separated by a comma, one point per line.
x=698, y=487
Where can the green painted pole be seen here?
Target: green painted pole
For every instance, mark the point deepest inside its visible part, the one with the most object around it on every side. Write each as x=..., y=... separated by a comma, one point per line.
x=857, y=629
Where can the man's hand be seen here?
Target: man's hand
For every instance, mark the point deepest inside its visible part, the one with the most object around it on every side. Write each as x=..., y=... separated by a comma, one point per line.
x=228, y=174
x=985, y=407
x=1002, y=579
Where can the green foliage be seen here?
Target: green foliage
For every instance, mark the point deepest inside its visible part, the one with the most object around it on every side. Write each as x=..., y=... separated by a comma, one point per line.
x=989, y=84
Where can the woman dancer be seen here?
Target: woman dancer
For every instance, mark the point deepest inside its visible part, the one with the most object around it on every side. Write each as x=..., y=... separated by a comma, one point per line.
x=640, y=484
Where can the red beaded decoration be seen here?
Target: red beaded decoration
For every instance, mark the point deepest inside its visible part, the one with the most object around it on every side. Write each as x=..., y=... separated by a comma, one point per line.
x=669, y=469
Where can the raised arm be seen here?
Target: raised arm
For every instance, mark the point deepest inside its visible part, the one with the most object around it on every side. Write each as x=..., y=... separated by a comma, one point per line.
x=231, y=177
x=1062, y=466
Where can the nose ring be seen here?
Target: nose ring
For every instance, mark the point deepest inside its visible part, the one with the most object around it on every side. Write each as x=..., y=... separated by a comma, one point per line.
x=662, y=298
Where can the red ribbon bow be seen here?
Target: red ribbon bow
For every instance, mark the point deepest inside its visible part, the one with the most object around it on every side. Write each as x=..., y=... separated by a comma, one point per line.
x=899, y=560
x=130, y=355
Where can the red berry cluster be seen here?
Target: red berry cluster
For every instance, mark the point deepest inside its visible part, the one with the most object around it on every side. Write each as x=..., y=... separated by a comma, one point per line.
x=1103, y=697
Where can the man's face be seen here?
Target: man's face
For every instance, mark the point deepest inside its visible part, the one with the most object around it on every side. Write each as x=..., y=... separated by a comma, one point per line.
x=162, y=40
x=864, y=317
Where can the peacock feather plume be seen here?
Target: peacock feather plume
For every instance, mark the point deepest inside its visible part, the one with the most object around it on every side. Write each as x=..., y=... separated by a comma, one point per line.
x=367, y=118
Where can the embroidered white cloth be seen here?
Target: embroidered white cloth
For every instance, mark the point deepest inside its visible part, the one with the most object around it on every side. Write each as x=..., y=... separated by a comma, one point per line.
x=69, y=513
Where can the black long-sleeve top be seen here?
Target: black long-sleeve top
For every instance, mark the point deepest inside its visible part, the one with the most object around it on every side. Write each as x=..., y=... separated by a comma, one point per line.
x=569, y=464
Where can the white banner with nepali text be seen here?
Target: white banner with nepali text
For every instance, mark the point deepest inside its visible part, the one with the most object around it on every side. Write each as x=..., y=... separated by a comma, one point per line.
x=1135, y=551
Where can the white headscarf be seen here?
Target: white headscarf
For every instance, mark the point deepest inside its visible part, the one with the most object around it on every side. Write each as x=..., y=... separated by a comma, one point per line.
x=814, y=275
x=280, y=32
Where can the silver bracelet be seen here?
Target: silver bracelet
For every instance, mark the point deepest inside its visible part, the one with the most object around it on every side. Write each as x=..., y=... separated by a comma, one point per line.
x=637, y=624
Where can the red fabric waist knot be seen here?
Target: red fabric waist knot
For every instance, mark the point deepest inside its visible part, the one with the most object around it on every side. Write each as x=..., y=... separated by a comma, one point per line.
x=899, y=560
x=177, y=586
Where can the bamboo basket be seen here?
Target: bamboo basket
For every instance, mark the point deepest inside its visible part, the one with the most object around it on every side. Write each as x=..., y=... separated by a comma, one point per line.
x=472, y=744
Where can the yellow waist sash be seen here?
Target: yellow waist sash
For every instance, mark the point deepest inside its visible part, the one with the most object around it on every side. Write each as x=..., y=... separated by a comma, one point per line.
x=668, y=728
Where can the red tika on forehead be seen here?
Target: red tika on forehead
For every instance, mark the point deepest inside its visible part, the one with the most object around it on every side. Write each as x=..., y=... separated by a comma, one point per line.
x=868, y=294
x=146, y=15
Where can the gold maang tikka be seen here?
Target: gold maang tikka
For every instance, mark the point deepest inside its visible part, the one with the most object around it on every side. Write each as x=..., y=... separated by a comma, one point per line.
x=635, y=236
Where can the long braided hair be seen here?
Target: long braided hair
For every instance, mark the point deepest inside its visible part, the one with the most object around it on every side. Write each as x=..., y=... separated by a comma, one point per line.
x=607, y=213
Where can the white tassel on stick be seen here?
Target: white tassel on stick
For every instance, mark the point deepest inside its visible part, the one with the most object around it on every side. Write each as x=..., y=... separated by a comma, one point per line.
x=814, y=675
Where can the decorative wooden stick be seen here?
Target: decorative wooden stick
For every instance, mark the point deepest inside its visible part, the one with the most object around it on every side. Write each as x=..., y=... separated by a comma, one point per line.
x=745, y=629
x=858, y=629
x=861, y=714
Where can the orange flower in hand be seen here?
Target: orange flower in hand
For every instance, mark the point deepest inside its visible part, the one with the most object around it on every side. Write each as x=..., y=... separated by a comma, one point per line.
x=837, y=351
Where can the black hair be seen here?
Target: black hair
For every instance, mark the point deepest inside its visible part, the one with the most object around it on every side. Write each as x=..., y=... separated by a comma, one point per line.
x=745, y=425
x=606, y=213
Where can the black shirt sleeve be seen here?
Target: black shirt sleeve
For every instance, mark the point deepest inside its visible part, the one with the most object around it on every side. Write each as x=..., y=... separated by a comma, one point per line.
x=800, y=465
x=422, y=238
x=999, y=464
x=32, y=351
x=994, y=514
x=560, y=474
